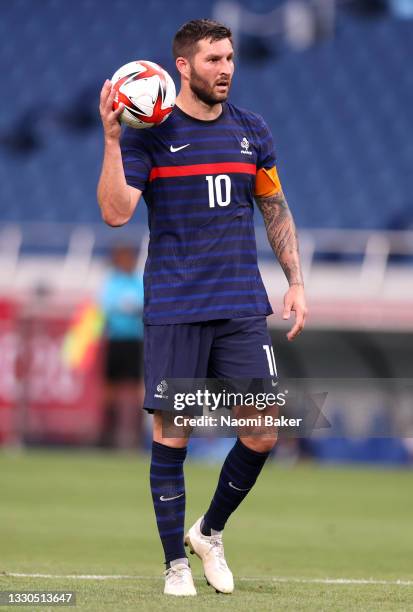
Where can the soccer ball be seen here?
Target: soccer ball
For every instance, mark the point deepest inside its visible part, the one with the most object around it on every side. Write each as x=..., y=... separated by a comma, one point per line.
x=146, y=90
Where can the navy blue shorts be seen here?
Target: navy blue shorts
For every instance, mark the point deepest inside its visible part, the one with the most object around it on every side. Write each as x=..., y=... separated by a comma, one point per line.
x=224, y=348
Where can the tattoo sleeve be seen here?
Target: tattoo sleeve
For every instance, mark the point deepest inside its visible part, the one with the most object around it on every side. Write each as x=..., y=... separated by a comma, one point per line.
x=282, y=235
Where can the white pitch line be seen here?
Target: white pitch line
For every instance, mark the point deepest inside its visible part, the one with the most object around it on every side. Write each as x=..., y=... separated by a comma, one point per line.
x=242, y=578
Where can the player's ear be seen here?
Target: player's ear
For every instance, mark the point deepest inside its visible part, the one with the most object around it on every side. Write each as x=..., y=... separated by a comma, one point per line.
x=182, y=65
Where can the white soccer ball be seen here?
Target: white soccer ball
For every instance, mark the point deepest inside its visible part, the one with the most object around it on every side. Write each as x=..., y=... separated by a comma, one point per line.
x=146, y=90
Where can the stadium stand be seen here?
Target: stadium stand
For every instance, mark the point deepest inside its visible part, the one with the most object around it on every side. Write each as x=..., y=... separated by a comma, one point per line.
x=341, y=111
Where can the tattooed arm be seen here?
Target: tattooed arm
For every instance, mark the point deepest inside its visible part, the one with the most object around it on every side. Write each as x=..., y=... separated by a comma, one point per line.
x=282, y=237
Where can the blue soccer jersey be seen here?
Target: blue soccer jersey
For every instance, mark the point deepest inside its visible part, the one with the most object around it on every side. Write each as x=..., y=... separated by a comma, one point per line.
x=198, y=178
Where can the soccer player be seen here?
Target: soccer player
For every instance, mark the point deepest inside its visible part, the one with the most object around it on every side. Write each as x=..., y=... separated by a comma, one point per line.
x=205, y=303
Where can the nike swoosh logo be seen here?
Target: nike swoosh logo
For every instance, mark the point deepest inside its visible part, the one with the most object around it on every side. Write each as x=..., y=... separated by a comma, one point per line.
x=175, y=149
x=162, y=498
x=237, y=488
x=274, y=384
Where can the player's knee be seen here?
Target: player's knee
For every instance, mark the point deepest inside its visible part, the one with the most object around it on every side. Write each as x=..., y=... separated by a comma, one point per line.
x=260, y=444
x=164, y=434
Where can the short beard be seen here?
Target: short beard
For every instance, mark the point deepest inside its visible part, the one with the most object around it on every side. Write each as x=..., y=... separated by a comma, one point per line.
x=203, y=91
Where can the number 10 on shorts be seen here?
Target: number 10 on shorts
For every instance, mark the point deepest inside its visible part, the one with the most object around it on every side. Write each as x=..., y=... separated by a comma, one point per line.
x=271, y=359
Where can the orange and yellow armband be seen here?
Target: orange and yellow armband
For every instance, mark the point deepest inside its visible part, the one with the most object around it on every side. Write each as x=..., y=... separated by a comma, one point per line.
x=267, y=182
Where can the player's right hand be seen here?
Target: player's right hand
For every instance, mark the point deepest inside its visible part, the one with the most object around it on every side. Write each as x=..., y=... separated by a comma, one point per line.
x=110, y=118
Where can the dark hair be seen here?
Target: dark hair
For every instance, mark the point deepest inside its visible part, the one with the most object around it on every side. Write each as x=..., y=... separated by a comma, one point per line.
x=190, y=33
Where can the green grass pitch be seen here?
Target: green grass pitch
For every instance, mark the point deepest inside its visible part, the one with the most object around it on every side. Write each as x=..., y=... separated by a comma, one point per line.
x=75, y=514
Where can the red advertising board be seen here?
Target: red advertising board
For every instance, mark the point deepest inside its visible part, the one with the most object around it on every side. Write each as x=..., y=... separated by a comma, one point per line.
x=9, y=340
x=42, y=398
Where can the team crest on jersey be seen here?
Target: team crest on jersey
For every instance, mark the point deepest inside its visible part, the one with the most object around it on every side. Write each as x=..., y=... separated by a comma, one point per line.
x=162, y=388
x=245, y=145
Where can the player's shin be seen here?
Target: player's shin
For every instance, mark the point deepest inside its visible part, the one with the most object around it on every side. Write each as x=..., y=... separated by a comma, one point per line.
x=238, y=475
x=168, y=494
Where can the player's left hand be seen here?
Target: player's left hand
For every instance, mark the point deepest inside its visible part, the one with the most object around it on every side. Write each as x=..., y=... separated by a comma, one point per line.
x=294, y=299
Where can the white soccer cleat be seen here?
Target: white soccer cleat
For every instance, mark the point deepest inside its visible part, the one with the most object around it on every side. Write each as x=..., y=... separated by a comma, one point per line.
x=179, y=581
x=210, y=549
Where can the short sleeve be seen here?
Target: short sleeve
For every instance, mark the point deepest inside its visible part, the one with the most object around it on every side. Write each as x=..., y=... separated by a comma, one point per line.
x=266, y=150
x=135, y=157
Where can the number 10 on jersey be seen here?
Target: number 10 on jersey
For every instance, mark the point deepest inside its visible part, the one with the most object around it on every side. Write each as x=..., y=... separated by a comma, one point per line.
x=219, y=190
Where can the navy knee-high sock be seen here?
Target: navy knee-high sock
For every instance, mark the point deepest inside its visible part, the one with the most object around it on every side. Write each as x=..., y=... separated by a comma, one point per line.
x=168, y=494
x=238, y=475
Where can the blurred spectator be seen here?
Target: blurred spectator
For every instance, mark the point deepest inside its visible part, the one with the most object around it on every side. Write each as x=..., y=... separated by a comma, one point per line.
x=122, y=303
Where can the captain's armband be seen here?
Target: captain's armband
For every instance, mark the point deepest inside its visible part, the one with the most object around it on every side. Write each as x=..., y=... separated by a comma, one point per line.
x=267, y=182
